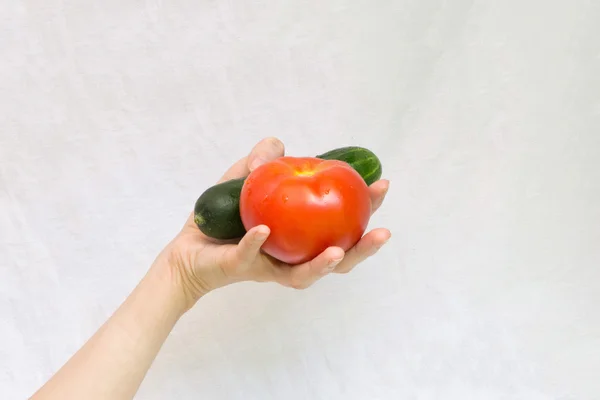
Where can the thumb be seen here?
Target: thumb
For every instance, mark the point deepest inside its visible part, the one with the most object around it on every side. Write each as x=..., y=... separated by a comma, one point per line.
x=265, y=151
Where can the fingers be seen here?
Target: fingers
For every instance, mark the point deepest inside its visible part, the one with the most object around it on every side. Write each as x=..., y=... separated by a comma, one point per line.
x=244, y=260
x=237, y=170
x=249, y=247
x=378, y=190
x=264, y=151
x=365, y=248
x=249, y=260
x=304, y=275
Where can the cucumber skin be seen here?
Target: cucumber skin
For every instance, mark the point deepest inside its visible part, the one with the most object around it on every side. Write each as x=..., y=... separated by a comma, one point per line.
x=364, y=161
x=217, y=210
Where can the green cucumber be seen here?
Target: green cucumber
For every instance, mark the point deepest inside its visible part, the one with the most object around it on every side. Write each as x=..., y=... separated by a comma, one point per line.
x=364, y=161
x=217, y=210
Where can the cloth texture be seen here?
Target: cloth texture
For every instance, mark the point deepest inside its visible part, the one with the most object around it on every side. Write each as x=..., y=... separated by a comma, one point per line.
x=116, y=115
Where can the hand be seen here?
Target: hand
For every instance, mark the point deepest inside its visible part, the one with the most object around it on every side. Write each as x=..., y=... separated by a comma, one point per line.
x=202, y=264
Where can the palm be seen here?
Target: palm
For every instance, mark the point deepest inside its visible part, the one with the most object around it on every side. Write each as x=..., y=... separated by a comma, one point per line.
x=213, y=264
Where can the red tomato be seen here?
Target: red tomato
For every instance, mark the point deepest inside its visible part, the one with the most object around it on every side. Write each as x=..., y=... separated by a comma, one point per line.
x=308, y=203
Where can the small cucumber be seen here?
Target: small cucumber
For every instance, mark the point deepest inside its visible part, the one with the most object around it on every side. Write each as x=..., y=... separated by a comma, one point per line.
x=364, y=161
x=217, y=210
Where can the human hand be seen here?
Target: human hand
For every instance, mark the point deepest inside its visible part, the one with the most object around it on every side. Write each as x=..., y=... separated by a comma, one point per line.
x=202, y=264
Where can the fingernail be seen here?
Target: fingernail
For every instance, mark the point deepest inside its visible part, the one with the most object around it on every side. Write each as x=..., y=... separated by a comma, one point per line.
x=256, y=163
x=387, y=188
x=261, y=235
x=382, y=244
x=332, y=264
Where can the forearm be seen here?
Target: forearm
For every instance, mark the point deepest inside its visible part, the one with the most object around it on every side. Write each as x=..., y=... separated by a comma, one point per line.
x=113, y=363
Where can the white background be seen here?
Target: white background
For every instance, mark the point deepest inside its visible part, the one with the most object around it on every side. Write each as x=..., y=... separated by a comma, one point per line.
x=115, y=115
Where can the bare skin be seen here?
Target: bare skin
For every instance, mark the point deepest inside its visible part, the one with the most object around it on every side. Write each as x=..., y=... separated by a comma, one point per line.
x=114, y=361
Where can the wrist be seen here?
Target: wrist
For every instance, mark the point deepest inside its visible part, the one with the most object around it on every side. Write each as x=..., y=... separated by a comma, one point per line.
x=168, y=280
x=170, y=269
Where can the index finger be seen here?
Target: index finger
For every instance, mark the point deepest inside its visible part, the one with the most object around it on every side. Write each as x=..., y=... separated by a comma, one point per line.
x=264, y=151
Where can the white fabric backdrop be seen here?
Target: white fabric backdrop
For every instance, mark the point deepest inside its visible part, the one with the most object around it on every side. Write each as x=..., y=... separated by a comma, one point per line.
x=115, y=116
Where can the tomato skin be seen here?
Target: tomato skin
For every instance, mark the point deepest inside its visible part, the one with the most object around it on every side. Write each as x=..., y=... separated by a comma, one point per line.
x=308, y=203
